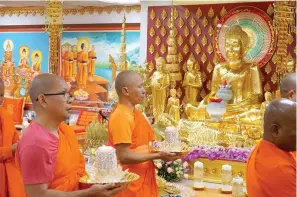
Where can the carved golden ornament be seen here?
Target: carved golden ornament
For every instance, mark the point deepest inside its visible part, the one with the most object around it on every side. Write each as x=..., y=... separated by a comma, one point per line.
x=186, y=49
x=169, y=23
x=209, y=67
x=163, y=31
x=210, y=31
x=210, y=49
x=180, y=40
x=204, y=76
x=22, y=11
x=215, y=21
x=180, y=22
x=175, y=32
x=152, y=49
x=204, y=40
x=208, y=85
x=192, y=40
x=152, y=32
x=157, y=56
x=274, y=78
x=290, y=39
x=223, y=12
x=158, y=23
x=198, y=31
x=274, y=58
x=270, y=10
x=186, y=31
x=268, y=68
x=163, y=49
x=175, y=13
x=202, y=93
x=164, y=14
x=199, y=13
x=192, y=22
x=267, y=87
x=187, y=13
x=210, y=12
x=197, y=49
x=179, y=92
x=203, y=58
x=152, y=14
x=158, y=41
x=204, y=21
x=215, y=59
x=180, y=57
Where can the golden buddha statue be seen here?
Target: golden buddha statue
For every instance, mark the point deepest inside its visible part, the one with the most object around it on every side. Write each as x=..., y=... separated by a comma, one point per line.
x=173, y=105
x=160, y=82
x=36, y=59
x=23, y=62
x=8, y=61
x=268, y=98
x=82, y=67
x=192, y=83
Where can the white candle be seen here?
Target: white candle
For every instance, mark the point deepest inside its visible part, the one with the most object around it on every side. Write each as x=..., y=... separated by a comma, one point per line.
x=198, y=175
x=171, y=135
x=105, y=149
x=227, y=167
x=237, y=188
x=226, y=178
x=106, y=158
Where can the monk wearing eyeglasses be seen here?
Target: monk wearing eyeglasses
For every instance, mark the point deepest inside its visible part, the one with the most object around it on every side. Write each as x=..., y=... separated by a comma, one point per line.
x=11, y=183
x=48, y=152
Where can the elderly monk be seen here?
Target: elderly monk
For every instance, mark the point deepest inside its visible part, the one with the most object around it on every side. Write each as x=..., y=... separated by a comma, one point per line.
x=48, y=152
x=288, y=87
x=11, y=183
x=271, y=167
x=130, y=133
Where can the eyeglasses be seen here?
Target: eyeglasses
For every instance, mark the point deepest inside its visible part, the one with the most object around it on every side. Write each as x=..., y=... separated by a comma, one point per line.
x=67, y=96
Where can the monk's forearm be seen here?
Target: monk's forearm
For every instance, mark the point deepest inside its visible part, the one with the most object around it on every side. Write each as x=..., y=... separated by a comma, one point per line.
x=134, y=158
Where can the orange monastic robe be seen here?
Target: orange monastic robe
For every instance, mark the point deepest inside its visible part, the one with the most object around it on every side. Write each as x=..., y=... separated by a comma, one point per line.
x=63, y=64
x=74, y=65
x=91, y=64
x=67, y=66
x=130, y=127
x=70, y=59
x=11, y=183
x=271, y=172
x=82, y=72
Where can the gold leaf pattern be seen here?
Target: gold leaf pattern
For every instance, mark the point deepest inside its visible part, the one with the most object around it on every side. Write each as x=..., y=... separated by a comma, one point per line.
x=274, y=78
x=210, y=31
x=223, y=12
x=204, y=40
x=152, y=49
x=192, y=22
x=267, y=87
x=158, y=41
x=210, y=12
x=163, y=31
x=197, y=49
x=180, y=22
x=215, y=21
x=180, y=57
x=209, y=67
x=208, y=85
x=180, y=40
x=187, y=13
x=158, y=23
x=203, y=76
x=215, y=59
x=204, y=21
x=203, y=58
x=152, y=14
x=164, y=14
x=157, y=55
x=192, y=40
x=210, y=49
x=262, y=78
x=175, y=32
x=152, y=32
x=186, y=49
x=268, y=68
x=199, y=13
x=202, y=93
x=163, y=49
x=169, y=23
x=186, y=31
x=198, y=31
x=290, y=39
x=274, y=58
x=175, y=13
x=270, y=10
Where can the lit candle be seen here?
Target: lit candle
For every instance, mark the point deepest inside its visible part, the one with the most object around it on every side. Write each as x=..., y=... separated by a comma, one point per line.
x=237, y=188
x=226, y=178
x=198, y=175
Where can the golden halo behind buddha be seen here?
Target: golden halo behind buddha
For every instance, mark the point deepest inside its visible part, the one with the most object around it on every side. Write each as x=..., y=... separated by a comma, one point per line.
x=8, y=43
x=24, y=48
x=34, y=53
x=80, y=41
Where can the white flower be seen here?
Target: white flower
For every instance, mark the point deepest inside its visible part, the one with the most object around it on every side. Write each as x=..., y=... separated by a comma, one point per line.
x=186, y=176
x=185, y=164
x=179, y=161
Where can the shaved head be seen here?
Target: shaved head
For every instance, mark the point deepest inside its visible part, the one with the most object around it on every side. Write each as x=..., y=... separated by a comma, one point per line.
x=288, y=86
x=124, y=79
x=280, y=124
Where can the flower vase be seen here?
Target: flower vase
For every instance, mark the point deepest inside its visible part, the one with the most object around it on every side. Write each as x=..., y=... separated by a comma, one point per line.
x=225, y=93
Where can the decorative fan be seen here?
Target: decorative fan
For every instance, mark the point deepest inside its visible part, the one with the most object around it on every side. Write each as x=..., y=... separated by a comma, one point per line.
x=257, y=24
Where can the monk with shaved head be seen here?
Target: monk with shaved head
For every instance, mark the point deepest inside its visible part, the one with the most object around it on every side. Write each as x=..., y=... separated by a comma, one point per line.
x=271, y=168
x=130, y=133
x=48, y=152
x=11, y=183
x=288, y=87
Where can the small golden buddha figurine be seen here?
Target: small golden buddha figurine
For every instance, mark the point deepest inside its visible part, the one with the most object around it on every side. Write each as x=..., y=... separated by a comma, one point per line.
x=268, y=98
x=160, y=82
x=173, y=105
x=192, y=83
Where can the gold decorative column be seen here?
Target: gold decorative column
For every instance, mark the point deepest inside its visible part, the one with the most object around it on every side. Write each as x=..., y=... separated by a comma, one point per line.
x=122, y=61
x=54, y=27
x=284, y=23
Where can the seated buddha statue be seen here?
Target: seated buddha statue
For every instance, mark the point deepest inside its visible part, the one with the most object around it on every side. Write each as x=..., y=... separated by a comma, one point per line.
x=242, y=77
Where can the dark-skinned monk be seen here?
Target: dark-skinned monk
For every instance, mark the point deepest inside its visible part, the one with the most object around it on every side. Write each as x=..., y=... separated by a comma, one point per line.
x=288, y=87
x=48, y=152
x=271, y=167
x=130, y=133
x=11, y=183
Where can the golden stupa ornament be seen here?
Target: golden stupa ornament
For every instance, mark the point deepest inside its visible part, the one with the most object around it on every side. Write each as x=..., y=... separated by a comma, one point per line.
x=198, y=31
x=158, y=41
x=197, y=49
x=180, y=22
x=152, y=14
x=204, y=21
x=164, y=14
x=122, y=57
x=192, y=40
x=152, y=32
x=268, y=68
x=192, y=22
x=199, y=13
x=204, y=40
x=223, y=12
x=180, y=40
x=186, y=31
x=158, y=23
x=187, y=13
x=151, y=49
x=210, y=12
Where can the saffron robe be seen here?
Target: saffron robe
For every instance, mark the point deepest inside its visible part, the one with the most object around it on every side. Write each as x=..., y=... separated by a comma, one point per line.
x=91, y=63
x=82, y=69
x=130, y=127
x=11, y=183
x=271, y=172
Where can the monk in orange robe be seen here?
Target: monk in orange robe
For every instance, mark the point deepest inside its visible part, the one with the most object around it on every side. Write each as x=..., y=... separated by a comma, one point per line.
x=67, y=61
x=271, y=167
x=74, y=68
x=91, y=65
x=11, y=183
x=70, y=59
x=82, y=67
x=48, y=152
x=130, y=133
x=63, y=60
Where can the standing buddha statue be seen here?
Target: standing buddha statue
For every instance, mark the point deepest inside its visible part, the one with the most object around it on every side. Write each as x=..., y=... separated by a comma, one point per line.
x=82, y=64
x=74, y=65
x=173, y=105
x=8, y=72
x=91, y=64
x=159, y=83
